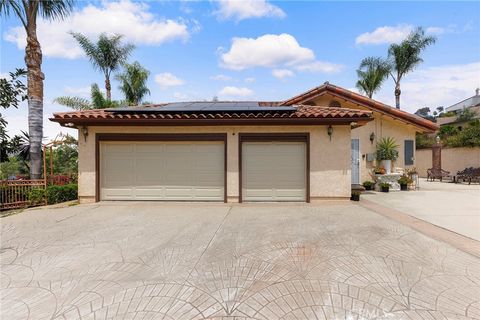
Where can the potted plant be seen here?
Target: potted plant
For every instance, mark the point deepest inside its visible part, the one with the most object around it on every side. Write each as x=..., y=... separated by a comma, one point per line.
x=413, y=175
x=404, y=181
x=387, y=152
x=379, y=170
x=384, y=186
x=368, y=185
x=355, y=195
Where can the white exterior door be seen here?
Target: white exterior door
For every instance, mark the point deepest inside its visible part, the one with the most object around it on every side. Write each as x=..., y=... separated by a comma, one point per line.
x=173, y=171
x=274, y=171
x=355, y=158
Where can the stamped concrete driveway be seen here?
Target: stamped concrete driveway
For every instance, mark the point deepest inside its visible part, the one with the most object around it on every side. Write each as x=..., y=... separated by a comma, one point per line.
x=178, y=261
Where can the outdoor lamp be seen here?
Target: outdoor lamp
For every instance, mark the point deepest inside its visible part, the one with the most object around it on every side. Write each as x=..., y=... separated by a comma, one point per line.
x=330, y=132
x=85, y=133
x=372, y=137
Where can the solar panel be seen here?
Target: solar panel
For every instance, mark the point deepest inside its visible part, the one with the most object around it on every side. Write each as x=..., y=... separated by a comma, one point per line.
x=211, y=106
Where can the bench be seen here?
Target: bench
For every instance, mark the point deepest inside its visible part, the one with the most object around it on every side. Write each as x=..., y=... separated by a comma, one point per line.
x=440, y=174
x=469, y=174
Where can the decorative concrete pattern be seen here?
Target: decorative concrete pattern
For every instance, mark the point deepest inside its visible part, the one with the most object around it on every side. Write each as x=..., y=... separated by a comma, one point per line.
x=243, y=262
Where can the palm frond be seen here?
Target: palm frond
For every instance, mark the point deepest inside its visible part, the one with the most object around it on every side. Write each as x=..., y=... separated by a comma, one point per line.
x=75, y=103
x=133, y=82
x=55, y=9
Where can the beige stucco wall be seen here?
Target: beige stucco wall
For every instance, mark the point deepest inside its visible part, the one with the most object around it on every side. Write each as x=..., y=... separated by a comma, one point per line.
x=330, y=174
x=453, y=159
x=382, y=126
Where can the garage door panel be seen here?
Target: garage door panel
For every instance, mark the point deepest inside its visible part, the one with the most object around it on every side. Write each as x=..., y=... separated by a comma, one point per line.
x=274, y=171
x=162, y=171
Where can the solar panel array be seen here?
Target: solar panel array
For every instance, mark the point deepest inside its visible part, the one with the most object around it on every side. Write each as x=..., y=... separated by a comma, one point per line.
x=213, y=106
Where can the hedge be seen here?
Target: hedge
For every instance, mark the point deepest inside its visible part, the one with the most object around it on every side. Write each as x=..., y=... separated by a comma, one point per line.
x=54, y=194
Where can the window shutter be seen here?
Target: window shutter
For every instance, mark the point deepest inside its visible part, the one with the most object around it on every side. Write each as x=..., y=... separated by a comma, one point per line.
x=408, y=152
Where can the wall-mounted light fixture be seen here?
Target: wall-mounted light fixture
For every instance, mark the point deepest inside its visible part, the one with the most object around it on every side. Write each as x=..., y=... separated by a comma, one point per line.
x=330, y=132
x=70, y=125
x=372, y=137
x=85, y=133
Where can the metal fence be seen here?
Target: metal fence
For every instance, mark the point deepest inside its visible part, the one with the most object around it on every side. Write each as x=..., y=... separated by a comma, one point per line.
x=15, y=193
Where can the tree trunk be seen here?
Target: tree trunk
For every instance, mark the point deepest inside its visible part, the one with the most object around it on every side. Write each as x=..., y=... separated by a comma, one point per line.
x=397, y=95
x=33, y=60
x=108, y=88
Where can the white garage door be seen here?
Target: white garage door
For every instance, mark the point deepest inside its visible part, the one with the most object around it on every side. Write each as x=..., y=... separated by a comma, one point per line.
x=274, y=171
x=162, y=171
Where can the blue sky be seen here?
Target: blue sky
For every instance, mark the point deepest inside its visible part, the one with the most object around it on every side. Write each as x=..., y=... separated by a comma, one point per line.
x=252, y=50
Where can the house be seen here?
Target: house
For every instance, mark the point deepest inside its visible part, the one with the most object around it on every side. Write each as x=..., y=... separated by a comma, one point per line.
x=295, y=150
x=458, y=119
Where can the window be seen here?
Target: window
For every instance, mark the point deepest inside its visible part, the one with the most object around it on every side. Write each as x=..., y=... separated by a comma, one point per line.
x=409, y=156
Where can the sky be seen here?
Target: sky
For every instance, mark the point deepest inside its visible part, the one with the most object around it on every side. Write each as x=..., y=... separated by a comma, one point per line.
x=252, y=49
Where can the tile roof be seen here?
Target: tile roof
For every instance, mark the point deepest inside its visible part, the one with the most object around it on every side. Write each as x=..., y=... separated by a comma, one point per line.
x=302, y=112
x=371, y=104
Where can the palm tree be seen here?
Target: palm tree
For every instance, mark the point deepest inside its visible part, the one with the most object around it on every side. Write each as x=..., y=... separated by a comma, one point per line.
x=373, y=71
x=133, y=83
x=27, y=11
x=98, y=101
x=106, y=55
x=405, y=57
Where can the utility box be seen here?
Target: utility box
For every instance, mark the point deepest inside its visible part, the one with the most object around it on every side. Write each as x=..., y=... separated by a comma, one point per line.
x=370, y=157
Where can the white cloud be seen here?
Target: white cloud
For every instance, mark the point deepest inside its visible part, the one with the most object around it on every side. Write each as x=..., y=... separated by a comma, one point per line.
x=221, y=77
x=83, y=92
x=4, y=75
x=385, y=34
x=435, y=86
x=436, y=30
x=180, y=96
x=272, y=51
x=282, y=73
x=249, y=80
x=131, y=19
x=245, y=9
x=167, y=79
x=234, y=92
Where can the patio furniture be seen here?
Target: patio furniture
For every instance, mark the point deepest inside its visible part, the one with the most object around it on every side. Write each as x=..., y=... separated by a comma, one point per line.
x=440, y=174
x=468, y=174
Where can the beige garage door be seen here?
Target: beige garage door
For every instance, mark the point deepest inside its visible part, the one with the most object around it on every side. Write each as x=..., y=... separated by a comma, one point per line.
x=274, y=171
x=173, y=171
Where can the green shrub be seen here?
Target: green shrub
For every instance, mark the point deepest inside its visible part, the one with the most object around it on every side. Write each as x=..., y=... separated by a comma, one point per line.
x=387, y=149
x=424, y=141
x=36, y=197
x=57, y=194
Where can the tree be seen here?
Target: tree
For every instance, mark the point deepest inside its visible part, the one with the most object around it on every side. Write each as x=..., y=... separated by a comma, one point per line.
x=98, y=101
x=424, y=113
x=106, y=55
x=405, y=57
x=27, y=12
x=373, y=71
x=12, y=92
x=133, y=83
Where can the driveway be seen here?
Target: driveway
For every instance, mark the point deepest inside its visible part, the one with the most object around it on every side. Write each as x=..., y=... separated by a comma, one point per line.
x=336, y=260
x=451, y=206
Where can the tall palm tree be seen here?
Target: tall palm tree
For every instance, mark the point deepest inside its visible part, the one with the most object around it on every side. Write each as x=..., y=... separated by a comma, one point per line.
x=405, y=57
x=98, y=101
x=27, y=12
x=133, y=83
x=106, y=55
x=373, y=71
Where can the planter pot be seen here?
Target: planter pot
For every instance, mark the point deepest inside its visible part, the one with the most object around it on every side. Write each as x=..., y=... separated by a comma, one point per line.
x=387, y=164
x=355, y=197
x=368, y=188
x=404, y=187
x=385, y=189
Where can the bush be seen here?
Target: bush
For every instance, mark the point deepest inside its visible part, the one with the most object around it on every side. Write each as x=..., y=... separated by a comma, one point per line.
x=57, y=194
x=54, y=194
x=36, y=197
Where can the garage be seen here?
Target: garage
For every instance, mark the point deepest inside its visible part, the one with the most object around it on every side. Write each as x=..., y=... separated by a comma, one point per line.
x=162, y=170
x=274, y=168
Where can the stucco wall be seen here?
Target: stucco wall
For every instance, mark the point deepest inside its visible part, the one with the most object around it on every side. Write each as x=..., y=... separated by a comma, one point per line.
x=453, y=159
x=382, y=126
x=329, y=160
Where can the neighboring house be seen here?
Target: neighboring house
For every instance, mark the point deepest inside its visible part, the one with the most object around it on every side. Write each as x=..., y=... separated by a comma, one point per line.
x=236, y=151
x=472, y=104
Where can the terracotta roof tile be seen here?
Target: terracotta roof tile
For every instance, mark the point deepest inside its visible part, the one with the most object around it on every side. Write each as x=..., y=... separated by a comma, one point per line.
x=301, y=112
